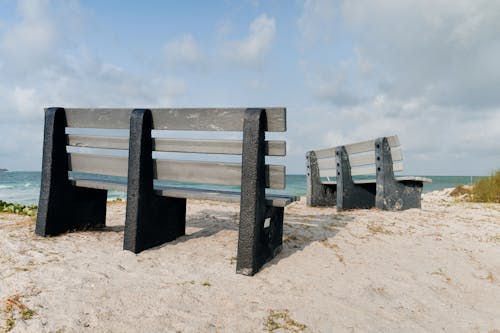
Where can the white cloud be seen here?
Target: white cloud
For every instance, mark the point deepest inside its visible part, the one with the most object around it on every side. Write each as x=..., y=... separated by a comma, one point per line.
x=252, y=49
x=183, y=51
x=316, y=20
x=30, y=41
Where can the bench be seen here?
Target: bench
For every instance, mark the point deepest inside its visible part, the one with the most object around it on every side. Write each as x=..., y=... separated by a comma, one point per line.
x=330, y=179
x=73, y=191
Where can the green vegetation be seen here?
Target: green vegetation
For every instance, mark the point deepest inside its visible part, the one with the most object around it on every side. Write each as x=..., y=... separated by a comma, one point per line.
x=487, y=189
x=8, y=207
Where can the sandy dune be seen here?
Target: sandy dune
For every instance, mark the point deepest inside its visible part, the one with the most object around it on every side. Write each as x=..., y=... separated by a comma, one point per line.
x=429, y=270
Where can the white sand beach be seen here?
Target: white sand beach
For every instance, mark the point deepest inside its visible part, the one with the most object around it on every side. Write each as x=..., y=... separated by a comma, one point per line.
x=435, y=269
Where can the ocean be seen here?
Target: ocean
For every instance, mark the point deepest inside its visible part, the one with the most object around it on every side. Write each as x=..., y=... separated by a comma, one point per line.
x=24, y=187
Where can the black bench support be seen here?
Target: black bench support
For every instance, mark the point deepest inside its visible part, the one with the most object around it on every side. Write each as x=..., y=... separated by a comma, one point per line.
x=349, y=194
x=392, y=194
x=257, y=243
x=63, y=207
x=318, y=194
x=151, y=219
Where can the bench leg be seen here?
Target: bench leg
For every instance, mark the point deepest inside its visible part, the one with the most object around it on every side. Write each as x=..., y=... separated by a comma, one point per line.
x=157, y=221
x=63, y=207
x=399, y=195
x=318, y=194
x=393, y=194
x=75, y=208
x=259, y=240
x=349, y=194
x=151, y=219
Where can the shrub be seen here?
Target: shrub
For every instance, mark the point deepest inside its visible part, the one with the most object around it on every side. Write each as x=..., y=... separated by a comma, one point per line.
x=487, y=189
x=8, y=207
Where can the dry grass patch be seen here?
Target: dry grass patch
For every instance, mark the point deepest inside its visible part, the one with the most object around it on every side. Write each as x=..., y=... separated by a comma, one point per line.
x=280, y=319
x=378, y=229
x=14, y=309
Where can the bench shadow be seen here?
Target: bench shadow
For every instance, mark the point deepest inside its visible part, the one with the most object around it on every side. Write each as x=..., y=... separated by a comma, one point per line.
x=299, y=231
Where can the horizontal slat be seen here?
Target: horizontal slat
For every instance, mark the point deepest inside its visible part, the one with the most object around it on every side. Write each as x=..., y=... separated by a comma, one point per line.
x=220, y=119
x=358, y=171
x=187, y=119
x=414, y=178
x=327, y=163
x=275, y=200
x=369, y=145
x=232, y=147
x=370, y=169
x=356, y=148
x=109, y=142
x=220, y=195
x=399, y=179
x=213, y=173
x=98, y=118
x=328, y=173
x=98, y=164
x=356, y=160
x=100, y=184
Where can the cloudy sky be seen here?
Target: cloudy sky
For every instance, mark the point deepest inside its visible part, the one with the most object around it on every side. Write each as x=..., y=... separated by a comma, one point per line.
x=427, y=70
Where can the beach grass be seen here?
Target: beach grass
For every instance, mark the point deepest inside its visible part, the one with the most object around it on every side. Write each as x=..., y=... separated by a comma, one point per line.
x=487, y=189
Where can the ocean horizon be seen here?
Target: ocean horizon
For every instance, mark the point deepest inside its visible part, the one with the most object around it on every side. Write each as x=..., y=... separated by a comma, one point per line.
x=23, y=187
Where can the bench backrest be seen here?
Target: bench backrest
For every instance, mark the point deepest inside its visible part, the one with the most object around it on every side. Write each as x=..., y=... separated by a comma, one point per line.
x=361, y=158
x=200, y=120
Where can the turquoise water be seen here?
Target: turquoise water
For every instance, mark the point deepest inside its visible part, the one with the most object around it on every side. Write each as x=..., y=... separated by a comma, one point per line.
x=24, y=187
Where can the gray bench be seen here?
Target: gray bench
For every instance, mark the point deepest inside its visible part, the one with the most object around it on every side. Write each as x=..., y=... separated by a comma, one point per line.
x=156, y=214
x=330, y=179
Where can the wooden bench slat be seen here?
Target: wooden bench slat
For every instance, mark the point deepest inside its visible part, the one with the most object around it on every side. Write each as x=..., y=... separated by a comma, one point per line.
x=359, y=171
x=356, y=160
x=90, y=141
x=368, y=181
x=187, y=119
x=214, y=119
x=229, y=147
x=98, y=164
x=213, y=173
x=275, y=200
x=357, y=148
x=98, y=118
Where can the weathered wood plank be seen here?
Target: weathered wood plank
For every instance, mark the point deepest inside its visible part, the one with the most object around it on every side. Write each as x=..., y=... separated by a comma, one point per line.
x=98, y=118
x=98, y=164
x=415, y=178
x=356, y=160
x=187, y=119
x=275, y=200
x=356, y=148
x=220, y=195
x=215, y=119
x=230, y=147
x=100, y=184
x=213, y=173
x=369, y=169
x=87, y=141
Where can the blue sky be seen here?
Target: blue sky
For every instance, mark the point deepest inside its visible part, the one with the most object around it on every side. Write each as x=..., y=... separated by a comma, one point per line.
x=346, y=70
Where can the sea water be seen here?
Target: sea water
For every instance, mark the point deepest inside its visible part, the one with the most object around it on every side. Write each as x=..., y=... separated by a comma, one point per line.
x=24, y=187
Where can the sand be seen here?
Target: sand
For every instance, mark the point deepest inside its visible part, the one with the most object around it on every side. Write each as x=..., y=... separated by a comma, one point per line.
x=421, y=270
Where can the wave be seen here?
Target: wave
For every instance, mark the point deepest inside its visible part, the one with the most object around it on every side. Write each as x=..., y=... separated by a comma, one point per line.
x=5, y=186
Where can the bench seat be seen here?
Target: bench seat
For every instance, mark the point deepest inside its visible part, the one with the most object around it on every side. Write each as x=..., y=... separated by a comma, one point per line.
x=399, y=179
x=274, y=200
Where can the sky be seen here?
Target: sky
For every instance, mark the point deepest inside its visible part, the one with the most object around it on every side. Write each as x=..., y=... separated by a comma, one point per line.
x=347, y=71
